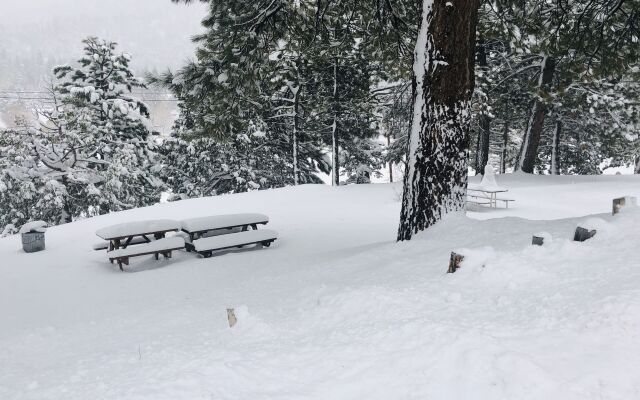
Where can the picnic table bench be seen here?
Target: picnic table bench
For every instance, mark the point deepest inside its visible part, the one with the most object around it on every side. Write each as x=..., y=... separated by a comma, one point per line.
x=164, y=246
x=122, y=235
x=198, y=227
x=208, y=245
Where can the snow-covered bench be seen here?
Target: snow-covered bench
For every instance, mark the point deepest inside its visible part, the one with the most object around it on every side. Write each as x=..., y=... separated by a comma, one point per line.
x=158, y=247
x=198, y=227
x=506, y=201
x=206, y=246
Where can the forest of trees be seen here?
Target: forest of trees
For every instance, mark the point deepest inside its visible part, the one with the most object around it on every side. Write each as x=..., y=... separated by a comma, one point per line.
x=281, y=91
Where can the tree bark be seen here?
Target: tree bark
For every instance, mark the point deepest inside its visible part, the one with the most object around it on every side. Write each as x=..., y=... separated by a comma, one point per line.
x=443, y=81
x=67, y=215
x=636, y=169
x=484, y=121
x=555, y=148
x=483, y=143
x=294, y=139
x=531, y=141
x=505, y=145
x=335, y=142
x=390, y=163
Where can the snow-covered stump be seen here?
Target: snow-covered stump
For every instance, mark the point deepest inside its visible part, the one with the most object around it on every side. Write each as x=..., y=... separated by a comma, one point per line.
x=583, y=234
x=231, y=316
x=537, y=240
x=454, y=262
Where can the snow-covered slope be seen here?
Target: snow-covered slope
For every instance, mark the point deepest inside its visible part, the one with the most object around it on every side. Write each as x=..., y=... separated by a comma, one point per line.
x=335, y=309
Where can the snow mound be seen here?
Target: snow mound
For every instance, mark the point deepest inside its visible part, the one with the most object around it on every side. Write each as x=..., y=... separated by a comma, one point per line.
x=338, y=309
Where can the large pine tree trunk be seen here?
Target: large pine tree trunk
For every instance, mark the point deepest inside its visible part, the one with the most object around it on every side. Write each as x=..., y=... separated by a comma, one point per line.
x=484, y=122
x=436, y=177
x=531, y=141
x=555, y=148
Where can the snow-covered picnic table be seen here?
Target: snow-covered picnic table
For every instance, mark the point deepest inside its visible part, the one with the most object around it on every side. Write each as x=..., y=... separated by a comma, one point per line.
x=197, y=227
x=490, y=194
x=121, y=235
x=486, y=192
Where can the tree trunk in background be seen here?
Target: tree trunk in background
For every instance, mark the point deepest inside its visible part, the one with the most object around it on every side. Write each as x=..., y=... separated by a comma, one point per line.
x=390, y=163
x=66, y=216
x=443, y=79
x=335, y=143
x=294, y=139
x=555, y=148
x=531, y=141
x=636, y=169
x=505, y=145
x=483, y=144
x=484, y=121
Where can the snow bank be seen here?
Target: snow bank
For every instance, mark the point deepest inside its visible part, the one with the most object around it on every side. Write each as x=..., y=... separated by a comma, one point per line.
x=336, y=309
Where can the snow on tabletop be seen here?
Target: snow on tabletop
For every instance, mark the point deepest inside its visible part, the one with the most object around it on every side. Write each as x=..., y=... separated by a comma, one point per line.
x=137, y=228
x=170, y=243
x=35, y=226
x=488, y=182
x=222, y=221
x=234, y=239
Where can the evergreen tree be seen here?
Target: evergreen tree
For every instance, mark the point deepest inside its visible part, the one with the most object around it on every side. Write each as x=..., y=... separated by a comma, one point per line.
x=91, y=150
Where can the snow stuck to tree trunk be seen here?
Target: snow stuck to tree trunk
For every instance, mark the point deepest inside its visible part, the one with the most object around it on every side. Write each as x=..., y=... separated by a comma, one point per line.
x=335, y=308
x=420, y=67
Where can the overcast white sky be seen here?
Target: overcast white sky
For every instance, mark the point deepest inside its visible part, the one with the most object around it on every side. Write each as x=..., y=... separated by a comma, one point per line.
x=156, y=32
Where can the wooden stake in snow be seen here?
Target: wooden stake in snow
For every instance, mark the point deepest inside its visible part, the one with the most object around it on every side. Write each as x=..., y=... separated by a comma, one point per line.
x=454, y=262
x=537, y=241
x=231, y=316
x=618, y=204
x=583, y=234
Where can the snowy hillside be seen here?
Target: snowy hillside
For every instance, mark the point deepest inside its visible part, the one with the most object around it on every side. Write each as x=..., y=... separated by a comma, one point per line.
x=336, y=309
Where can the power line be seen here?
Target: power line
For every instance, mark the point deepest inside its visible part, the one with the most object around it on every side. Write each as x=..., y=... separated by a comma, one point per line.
x=4, y=91
x=48, y=98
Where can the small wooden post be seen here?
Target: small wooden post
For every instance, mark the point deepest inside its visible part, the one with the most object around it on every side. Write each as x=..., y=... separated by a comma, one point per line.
x=537, y=241
x=454, y=262
x=583, y=234
x=231, y=316
x=618, y=204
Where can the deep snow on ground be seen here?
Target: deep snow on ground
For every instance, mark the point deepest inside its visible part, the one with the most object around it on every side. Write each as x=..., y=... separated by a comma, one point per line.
x=335, y=309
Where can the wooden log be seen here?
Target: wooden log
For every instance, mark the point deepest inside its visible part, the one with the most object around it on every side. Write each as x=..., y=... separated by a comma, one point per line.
x=537, y=241
x=231, y=316
x=454, y=262
x=583, y=234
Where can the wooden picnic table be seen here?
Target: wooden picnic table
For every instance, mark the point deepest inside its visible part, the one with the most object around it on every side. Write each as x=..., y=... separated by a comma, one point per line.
x=488, y=193
x=121, y=235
